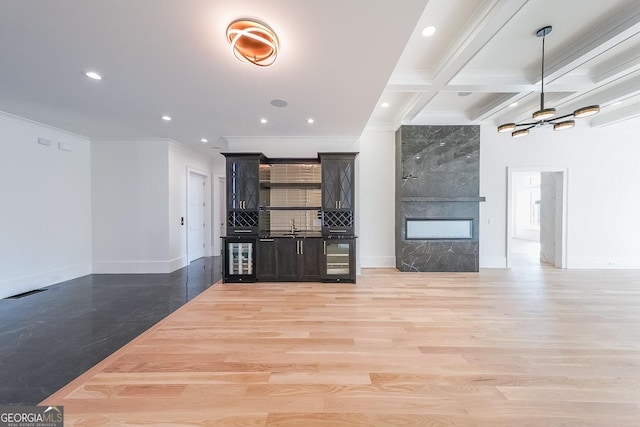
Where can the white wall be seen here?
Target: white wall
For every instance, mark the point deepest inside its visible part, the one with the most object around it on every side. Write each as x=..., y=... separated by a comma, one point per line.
x=45, y=211
x=603, y=202
x=130, y=187
x=182, y=161
x=376, y=196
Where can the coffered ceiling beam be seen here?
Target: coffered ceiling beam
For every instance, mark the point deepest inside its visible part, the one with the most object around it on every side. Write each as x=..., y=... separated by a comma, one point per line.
x=599, y=40
x=483, y=26
x=616, y=116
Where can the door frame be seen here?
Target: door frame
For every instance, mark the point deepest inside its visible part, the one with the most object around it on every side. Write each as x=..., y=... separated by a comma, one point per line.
x=562, y=244
x=207, y=210
x=219, y=213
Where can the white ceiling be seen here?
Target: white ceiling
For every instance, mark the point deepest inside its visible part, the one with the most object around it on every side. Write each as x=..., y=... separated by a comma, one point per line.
x=339, y=60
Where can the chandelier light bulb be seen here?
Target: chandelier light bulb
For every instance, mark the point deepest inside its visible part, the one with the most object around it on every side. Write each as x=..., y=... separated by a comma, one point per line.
x=586, y=111
x=520, y=133
x=507, y=127
x=544, y=114
x=567, y=124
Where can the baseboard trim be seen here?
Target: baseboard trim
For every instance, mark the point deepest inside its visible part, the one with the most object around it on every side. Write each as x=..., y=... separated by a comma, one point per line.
x=604, y=263
x=492, y=262
x=43, y=279
x=378, y=261
x=138, y=267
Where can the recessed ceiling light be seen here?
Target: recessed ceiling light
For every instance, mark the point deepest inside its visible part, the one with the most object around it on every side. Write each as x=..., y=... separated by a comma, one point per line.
x=385, y=105
x=263, y=121
x=513, y=104
x=279, y=103
x=310, y=120
x=166, y=118
x=93, y=75
x=429, y=31
x=204, y=140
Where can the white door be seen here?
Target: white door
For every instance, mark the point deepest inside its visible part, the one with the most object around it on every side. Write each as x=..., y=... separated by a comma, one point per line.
x=195, y=217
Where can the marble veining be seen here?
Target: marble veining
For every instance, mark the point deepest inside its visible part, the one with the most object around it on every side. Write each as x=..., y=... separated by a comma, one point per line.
x=439, y=162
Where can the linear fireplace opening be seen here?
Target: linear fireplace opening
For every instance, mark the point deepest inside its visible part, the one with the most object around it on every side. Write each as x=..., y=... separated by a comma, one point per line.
x=425, y=229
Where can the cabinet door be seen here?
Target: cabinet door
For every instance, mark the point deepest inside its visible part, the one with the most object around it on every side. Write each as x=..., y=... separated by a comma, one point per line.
x=287, y=259
x=338, y=260
x=266, y=260
x=309, y=260
x=242, y=195
x=250, y=183
x=337, y=184
x=330, y=189
x=242, y=183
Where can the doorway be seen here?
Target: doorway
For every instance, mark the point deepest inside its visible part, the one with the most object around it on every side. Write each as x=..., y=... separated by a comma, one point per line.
x=536, y=217
x=196, y=207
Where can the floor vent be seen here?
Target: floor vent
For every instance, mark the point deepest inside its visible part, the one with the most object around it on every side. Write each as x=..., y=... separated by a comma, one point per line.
x=26, y=294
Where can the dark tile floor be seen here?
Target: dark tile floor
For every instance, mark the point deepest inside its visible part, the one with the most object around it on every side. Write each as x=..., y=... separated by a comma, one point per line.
x=49, y=338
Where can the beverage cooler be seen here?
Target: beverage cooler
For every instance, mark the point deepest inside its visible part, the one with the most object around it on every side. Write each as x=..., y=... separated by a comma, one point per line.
x=339, y=260
x=239, y=260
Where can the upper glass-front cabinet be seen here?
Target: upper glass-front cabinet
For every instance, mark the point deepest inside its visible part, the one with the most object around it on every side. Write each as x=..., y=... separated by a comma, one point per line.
x=338, y=200
x=242, y=193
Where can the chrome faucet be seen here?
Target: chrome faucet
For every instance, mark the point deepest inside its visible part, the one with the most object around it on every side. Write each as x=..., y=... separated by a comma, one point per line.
x=292, y=221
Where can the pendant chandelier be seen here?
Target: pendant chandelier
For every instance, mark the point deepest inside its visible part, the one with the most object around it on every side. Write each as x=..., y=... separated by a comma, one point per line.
x=545, y=116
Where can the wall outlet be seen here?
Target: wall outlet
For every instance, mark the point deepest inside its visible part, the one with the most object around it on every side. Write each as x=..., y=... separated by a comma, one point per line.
x=44, y=141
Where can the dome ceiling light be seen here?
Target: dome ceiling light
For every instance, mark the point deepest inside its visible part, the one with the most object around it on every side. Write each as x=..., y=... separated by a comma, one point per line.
x=253, y=42
x=543, y=117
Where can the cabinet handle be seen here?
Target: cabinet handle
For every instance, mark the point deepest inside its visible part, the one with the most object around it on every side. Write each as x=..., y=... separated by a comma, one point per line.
x=339, y=204
x=266, y=240
x=242, y=231
x=301, y=247
x=298, y=247
x=336, y=204
x=337, y=231
x=324, y=247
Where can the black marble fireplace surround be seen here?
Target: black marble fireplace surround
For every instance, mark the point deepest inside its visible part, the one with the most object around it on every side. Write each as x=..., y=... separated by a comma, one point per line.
x=437, y=177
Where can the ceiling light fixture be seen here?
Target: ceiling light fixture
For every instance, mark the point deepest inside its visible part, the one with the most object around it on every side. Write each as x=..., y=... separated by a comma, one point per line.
x=310, y=120
x=253, y=42
x=263, y=121
x=166, y=118
x=543, y=117
x=429, y=31
x=204, y=140
x=93, y=75
x=385, y=105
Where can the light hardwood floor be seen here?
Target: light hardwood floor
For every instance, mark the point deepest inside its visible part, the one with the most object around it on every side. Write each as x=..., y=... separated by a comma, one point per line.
x=536, y=347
